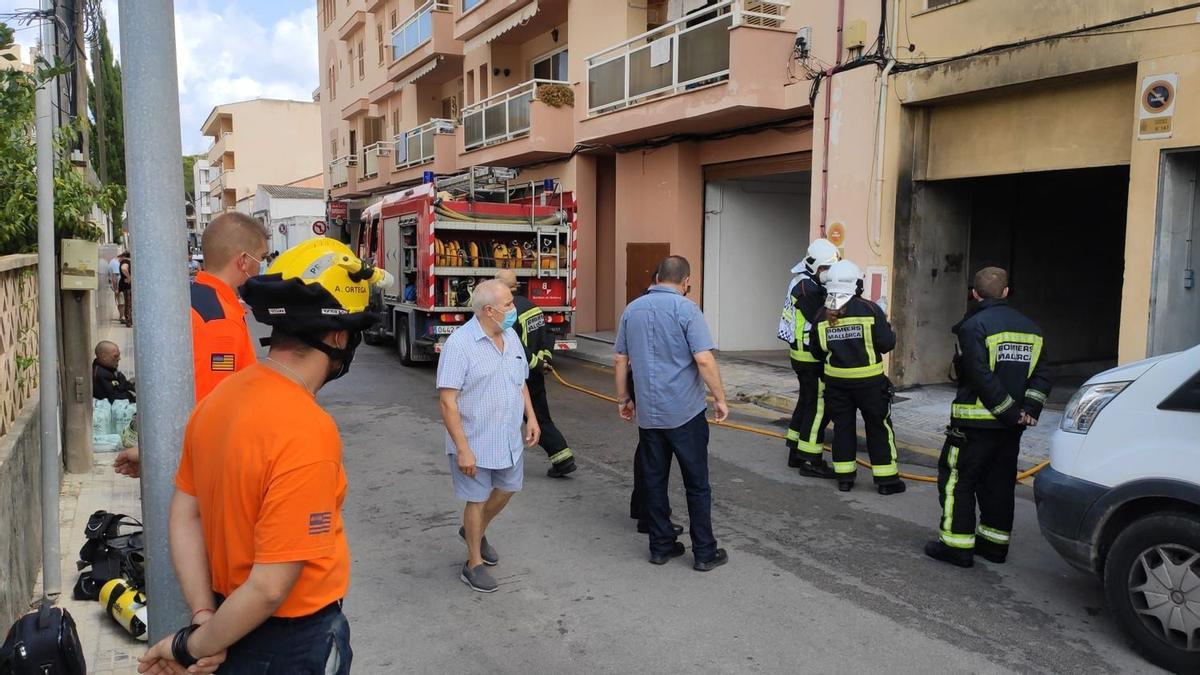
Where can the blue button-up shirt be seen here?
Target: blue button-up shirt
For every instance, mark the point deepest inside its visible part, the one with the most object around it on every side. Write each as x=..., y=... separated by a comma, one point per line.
x=660, y=332
x=491, y=398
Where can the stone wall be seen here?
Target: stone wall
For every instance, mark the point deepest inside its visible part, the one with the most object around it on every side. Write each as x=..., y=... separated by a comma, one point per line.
x=20, y=514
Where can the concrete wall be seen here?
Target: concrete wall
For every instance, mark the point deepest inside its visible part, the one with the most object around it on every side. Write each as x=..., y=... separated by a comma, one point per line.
x=20, y=514
x=755, y=230
x=1175, y=318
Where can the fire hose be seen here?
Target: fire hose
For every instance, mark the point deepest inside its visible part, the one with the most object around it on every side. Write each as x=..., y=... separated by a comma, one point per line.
x=1021, y=475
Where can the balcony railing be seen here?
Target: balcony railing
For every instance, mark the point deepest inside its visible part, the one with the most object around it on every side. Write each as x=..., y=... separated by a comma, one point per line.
x=417, y=29
x=371, y=155
x=339, y=170
x=680, y=55
x=502, y=117
x=415, y=146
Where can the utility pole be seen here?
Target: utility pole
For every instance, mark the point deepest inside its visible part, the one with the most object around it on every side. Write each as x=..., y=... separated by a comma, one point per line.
x=166, y=391
x=101, y=113
x=47, y=321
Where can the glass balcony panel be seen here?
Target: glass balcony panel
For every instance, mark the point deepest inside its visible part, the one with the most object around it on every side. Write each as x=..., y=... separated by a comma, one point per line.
x=704, y=50
x=645, y=78
x=606, y=83
x=493, y=122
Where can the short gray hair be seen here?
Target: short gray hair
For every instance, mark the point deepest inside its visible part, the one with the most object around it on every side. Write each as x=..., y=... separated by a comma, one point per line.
x=486, y=293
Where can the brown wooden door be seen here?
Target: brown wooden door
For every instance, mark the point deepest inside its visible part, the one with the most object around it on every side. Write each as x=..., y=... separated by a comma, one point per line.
x=640, y=263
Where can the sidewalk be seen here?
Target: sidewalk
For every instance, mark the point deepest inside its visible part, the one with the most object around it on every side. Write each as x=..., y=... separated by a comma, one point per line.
x=108, y=649
x=919, y=414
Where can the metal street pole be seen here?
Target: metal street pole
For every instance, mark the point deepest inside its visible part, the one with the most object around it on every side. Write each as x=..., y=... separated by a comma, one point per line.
x=47, y=323
x=162, y=334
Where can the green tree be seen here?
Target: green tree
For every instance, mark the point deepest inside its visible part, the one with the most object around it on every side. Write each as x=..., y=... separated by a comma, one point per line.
x=74, y=197
x=105, y=87
x=189, y=178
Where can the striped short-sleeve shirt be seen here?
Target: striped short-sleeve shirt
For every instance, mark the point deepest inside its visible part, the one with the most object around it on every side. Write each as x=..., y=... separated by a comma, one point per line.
x=491, y=397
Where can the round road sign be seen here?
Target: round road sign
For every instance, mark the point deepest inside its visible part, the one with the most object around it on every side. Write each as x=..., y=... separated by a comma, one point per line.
x=319, y=228
x=836, y=234
x=1157, y=97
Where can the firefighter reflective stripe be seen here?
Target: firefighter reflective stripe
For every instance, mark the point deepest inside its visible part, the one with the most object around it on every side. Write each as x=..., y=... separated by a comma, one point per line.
x=970, y=411
x=561, y=456
x=957, y=540
x=844, y=467
x=809, y=446
x=1031, y=349
x=793, y=435
x=522, y=321
x=891, y=468
x=800, y=338
x=948, y=502
x=992, y=534
x=1035, y=395
x=801, y=354
x=1004, y=405
x=854, y=373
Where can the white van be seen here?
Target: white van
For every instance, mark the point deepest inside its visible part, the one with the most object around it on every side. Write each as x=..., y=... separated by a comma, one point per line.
x=1121, y=499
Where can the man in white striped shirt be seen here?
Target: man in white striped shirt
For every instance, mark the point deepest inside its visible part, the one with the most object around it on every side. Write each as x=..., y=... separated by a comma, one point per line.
x=481, y=385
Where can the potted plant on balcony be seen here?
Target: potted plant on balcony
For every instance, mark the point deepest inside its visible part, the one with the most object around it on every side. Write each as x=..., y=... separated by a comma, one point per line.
x=556, y=95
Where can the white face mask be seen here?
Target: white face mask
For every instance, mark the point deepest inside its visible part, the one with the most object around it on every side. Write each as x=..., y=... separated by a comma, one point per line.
x=837, y=300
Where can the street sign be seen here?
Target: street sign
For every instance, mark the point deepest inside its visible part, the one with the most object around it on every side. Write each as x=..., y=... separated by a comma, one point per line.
x=319, y=228
x=339, y=210
x=1156, y=108
x=836, y=234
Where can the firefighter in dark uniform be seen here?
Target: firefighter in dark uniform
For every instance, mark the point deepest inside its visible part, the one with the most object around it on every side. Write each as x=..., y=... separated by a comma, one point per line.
x=1002, y=386
x=806, y=295
x=539, y=350
x=850, y=335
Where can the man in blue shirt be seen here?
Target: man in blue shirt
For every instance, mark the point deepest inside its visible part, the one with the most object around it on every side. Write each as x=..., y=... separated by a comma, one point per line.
x=665, y=339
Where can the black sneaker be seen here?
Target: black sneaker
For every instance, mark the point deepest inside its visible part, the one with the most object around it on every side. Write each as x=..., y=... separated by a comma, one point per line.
x=718, y=559
x=955, y=556
x=845, y=485
x=816, y=468
x=891, y=488
x=676, y=551
x=643, y=528
x=561, y=469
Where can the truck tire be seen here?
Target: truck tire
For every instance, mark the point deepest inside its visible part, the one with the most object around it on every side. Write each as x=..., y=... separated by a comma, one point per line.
x=1152, y=584
x=373, y=337
x=404, y=347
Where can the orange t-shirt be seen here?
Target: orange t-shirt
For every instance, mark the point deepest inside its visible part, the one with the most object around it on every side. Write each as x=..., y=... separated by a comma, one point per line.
x=264, y=463
x=221, y=343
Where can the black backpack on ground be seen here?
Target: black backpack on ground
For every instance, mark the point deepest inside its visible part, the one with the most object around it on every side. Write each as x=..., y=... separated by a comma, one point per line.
x=110, y=554
x=44, y=642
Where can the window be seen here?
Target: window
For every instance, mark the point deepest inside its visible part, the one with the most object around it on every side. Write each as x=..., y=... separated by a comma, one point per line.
x=379, y=41
x=1186, y=398
x=331, y=81
x=395, y=123
x=328, y=12
x=392, y=19
x=362, y=70
x=934, y=4
x=469, y=5
x=333, y=144
x=552, y=66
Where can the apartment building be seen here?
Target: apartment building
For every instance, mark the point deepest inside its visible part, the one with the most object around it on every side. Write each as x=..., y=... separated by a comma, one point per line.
x=206, y=203
x=1067, y=152
x=639, y=109
x=256, y=142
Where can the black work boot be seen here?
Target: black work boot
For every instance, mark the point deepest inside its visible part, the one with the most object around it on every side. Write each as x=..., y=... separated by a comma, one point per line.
x=955, y=556
x=795, y=459
x=892, y=487
x=845, y=484
x=816, y=468
x=990, y=552
x=561, y=469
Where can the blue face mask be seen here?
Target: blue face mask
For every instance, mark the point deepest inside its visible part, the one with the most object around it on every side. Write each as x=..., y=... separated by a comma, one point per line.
x=510, y=318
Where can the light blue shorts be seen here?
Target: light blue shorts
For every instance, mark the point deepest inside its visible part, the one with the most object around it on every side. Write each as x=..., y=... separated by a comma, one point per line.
x=479, y=488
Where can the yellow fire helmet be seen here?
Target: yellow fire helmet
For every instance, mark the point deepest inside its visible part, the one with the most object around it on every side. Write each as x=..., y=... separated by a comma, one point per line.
x=315, y=287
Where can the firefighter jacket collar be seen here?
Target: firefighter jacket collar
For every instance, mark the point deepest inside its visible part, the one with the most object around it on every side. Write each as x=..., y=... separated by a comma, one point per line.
x=223, y=289
x=977, y=307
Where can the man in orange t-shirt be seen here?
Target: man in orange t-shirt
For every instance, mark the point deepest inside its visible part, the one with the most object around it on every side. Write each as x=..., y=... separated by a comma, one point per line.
x=256, y=531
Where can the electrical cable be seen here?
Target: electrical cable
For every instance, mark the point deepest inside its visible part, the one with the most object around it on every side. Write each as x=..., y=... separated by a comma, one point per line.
x=920, y=478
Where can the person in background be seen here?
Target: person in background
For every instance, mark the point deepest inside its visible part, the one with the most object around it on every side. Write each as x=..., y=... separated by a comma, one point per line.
x=109, y=383
x=235, y=249
x=125, y=288
x=481, y=386
x=114, y=278
x=665, y=339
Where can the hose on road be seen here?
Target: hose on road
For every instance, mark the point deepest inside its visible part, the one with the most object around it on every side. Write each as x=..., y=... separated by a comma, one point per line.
x=1021, y=475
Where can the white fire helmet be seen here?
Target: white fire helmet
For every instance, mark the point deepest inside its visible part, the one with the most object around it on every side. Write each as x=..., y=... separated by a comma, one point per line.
x=821, y=253
x=843, y=281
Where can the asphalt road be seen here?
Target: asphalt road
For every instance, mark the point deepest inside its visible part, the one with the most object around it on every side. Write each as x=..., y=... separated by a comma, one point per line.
x=818, y=581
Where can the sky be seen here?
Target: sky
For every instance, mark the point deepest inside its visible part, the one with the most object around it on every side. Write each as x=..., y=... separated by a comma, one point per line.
x=228, y=50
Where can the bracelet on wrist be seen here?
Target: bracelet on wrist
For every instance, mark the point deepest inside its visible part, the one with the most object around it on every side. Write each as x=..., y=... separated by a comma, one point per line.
x=201, y=611
x=179, y=650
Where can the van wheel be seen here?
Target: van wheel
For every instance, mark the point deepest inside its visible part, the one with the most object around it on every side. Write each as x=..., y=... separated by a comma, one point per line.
x=404, y=342
x=1152, y=583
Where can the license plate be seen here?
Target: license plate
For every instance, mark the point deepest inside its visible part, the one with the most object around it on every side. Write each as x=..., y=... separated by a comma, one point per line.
x=444, y=330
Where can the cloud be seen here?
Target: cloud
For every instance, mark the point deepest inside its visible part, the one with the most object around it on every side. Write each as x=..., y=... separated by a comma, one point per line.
x=231, y=55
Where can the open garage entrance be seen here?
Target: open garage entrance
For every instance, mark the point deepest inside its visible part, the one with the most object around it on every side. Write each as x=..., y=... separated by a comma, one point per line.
x=755, y=229
x=1061, y=236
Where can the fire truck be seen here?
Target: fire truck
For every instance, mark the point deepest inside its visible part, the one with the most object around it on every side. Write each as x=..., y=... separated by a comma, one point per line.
x=441, y=238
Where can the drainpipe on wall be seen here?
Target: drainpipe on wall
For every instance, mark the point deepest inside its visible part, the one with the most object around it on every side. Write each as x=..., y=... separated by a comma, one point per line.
x=828, y=105
x=876, y=235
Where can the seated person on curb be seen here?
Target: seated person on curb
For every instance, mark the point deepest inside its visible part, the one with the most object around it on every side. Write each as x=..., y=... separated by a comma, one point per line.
x=256, y=529
x=109, y=383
